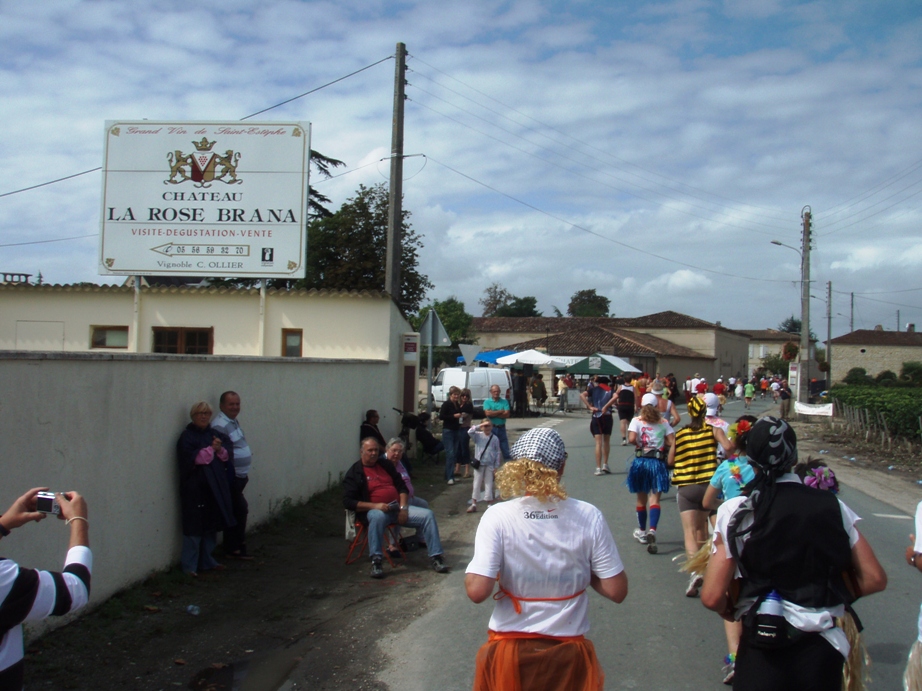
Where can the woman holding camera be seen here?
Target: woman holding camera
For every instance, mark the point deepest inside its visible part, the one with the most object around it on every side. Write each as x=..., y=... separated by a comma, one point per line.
x=206, y=471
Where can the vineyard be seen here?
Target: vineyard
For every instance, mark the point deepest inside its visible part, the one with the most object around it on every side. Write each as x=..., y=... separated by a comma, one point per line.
x=886, y=413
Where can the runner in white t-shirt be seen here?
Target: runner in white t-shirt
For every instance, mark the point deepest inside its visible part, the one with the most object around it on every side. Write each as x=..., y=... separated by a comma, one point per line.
x=542, y=551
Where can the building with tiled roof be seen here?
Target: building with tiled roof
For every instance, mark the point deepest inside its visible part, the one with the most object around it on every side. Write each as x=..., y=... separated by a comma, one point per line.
x=766, y=342
x=724, y=350
x=645, y=352
x=875, y=350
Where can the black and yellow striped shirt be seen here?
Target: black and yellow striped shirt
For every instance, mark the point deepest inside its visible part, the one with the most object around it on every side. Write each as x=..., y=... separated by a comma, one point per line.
x=695, y=456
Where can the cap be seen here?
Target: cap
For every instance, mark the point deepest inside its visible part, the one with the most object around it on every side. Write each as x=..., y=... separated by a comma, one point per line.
x=542, y=445
x=712, y=403
x=649, y=399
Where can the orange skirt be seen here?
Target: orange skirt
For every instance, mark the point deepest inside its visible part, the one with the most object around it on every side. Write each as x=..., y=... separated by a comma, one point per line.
x=521, y=661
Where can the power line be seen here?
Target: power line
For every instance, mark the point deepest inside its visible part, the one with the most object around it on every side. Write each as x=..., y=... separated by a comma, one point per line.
x=42, y=242
x=622, y=161
x=599, y=235
x=247, y=117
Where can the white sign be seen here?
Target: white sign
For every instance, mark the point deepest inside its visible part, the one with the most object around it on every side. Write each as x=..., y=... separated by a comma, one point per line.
x=205, y=199
x=813, y=408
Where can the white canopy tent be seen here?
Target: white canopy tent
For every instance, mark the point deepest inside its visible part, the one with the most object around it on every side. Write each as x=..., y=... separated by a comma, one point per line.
x=532, y=357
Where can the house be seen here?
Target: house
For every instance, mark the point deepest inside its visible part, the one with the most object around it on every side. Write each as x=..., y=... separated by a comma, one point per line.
x=875, y=350
x=765, y=342
x=645, y=352
x=724, y=350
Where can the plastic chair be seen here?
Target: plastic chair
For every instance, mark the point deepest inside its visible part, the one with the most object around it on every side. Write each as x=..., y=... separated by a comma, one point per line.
x=360, y=539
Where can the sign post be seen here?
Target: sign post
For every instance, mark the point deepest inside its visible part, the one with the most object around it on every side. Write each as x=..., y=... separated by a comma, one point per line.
x=432, y=333
x=205, y=199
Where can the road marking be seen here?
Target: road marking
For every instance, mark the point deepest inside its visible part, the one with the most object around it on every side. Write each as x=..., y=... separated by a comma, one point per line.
x=891, y=515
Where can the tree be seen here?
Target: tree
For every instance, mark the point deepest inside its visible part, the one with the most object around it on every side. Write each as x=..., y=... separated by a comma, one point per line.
x=587, y=303
x=347, y=250
x=791, y=325
x=457, y=322
x=519, y=307
x=776, y=364
x=494, y=298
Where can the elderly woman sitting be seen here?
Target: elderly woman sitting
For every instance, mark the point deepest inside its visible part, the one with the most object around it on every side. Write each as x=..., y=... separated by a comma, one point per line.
x=206, y=470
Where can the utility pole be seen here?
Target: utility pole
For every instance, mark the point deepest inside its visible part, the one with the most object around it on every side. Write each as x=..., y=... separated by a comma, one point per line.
x=851, y=318
x=829, y=333
x=897, y=320
x=395, y=194
x=803, y=377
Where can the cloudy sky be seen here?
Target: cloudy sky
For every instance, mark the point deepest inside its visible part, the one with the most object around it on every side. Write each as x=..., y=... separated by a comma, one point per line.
x=649, y=150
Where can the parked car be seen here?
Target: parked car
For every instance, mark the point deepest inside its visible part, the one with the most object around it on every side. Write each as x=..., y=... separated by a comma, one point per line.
x=477, y=379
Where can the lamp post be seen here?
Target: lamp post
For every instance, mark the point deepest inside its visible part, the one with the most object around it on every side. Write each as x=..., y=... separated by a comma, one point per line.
x=803, y=374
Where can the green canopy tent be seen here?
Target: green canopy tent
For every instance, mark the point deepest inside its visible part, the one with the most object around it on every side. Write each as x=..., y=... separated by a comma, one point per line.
x=601, y=364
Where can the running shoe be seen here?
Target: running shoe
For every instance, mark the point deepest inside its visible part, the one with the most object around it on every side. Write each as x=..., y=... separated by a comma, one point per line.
x=651, y=542
x=623, y=441
x=694, y=584
x=598, y=471
x=472, y=508
x=728, y=670
x=451, y=482
x=640, y=536
x=606, y=469
x=376, y=570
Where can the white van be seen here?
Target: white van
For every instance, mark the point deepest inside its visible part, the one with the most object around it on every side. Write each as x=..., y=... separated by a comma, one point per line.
x=477, y=379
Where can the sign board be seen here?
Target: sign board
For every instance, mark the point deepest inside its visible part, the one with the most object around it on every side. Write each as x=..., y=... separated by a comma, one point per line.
x=205, y=199
x=432, y=333
x=469, y=352
x=595, y=362
x=794, y=378
x=410, y=347
x=824, y=409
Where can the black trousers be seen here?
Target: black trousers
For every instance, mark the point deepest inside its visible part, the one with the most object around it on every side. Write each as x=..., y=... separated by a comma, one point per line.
x=811, y=664
x=235, y=538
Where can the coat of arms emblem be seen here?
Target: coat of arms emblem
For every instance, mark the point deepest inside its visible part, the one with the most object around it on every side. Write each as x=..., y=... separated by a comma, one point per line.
x=203, y=166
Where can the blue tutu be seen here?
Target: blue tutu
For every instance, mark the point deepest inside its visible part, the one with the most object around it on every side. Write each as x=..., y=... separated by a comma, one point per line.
x=647, y=475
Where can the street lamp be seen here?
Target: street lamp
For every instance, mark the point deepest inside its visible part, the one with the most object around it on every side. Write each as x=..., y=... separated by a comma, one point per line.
x=803, y=372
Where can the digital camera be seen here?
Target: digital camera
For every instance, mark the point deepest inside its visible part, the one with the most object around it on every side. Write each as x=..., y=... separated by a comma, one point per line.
x=46, y=502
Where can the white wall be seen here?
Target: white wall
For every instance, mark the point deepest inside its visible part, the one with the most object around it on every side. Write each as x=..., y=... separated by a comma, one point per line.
x=107, y=424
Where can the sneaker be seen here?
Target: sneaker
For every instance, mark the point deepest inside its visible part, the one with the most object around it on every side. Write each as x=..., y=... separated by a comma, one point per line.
x=694, y=584
x=640, y=536
x=623, y=441
x=376, y=570
x=728, y=670
x=472, y=508
x=598, y=471
x=451, y=482
x=651, y=542
x=606, y=469
x=437, y=564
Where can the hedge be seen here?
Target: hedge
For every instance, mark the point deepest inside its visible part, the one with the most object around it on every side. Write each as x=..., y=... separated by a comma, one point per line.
x=901, y=407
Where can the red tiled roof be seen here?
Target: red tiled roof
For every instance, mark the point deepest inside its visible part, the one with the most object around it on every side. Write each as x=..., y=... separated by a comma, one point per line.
x=881, y=338
x=770, y=335
x=659, y=320
x=620, y=342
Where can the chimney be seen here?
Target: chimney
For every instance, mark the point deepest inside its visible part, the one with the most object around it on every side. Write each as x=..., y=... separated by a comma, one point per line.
x=878, y=328
x=911, y=328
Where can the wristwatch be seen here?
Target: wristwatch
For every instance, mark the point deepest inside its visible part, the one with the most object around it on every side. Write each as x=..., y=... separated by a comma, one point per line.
x=4, y=531
x=404, y=508
x=912, y=558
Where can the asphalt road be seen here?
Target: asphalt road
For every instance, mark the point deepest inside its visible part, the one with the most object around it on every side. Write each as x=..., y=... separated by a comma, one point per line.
x=657, y=638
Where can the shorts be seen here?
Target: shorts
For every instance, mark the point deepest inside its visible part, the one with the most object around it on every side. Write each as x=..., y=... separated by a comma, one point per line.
x=690, y=497
x=625, y=413
x=602, y=425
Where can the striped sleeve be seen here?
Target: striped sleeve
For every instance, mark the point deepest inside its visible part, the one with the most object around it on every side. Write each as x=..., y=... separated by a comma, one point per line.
x=30, y=595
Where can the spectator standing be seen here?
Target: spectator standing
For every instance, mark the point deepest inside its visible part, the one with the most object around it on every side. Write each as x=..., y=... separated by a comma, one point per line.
x=450, y=415
x=497, y=410
x=206, y=472
x=562, y=389
x=32, y=595
x=785, y=394
x=519, y=392
x=464, y=444
x=542, y=569
x=538, y=390
x=488, y=456
x=226, y=422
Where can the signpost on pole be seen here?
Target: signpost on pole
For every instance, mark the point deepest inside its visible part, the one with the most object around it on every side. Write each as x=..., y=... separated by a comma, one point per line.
x=432, y=333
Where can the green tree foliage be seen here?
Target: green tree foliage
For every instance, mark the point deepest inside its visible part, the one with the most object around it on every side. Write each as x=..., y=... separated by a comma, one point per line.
x=457, y=322
x=858, y=376
x=911, y=373
x=520, y=307
x=347, y=250
x=791, y=325
x=499, y=302
x=587, y=303
x=775, y=364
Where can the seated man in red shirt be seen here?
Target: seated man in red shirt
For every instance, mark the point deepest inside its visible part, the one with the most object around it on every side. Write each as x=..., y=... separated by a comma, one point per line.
x=373, y=488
